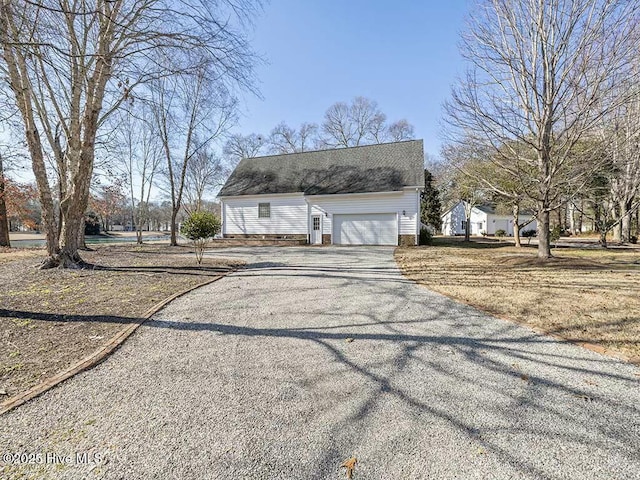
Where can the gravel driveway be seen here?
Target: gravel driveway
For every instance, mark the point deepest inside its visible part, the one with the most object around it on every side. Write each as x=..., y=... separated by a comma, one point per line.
x=315, y=355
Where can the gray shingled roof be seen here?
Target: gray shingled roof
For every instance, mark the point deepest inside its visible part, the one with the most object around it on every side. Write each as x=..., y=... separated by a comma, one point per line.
x=373, y=168
x=487, y=208
x=491, y=210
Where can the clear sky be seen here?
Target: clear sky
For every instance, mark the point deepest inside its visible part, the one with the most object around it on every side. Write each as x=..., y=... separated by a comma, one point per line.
x=402, y=53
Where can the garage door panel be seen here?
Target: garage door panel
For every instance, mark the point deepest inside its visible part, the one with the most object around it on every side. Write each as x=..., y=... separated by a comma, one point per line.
x=365, y=229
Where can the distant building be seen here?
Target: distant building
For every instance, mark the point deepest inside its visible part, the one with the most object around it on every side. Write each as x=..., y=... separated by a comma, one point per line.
x=483, y=221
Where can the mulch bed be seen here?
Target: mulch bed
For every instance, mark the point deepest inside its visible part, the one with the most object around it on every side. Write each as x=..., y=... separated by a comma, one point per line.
x=50, y=319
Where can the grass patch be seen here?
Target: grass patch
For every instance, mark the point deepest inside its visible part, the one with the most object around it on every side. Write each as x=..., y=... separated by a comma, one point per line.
x=584, y=295
x=53, y=318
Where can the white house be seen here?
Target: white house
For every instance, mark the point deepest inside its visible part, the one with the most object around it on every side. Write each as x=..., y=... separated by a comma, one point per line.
x=367, y=195
x=484, y=221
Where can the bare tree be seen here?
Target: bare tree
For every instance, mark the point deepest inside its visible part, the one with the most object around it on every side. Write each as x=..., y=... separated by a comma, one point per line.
x=338, y=128
x=71, y=64
x=378, y=130
x=365, y=117
x=541, y=78
x=239, y=146
x=206, y=171
x=462, y=186
x=499, y=184
x=4, y=219
x=307, y=136
x=285, y=139
x=400, y=130
x=190, y=114
x=139, y=156
x=360, y=123
x=624, y=151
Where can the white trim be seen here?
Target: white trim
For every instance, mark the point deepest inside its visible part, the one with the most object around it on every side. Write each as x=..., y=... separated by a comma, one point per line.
x=419, y=217
x=297, y=194
x=309, y=233
x=222, y=217
x=397, y=223
x=325, y=195
x=321, y=217
x=363, y=194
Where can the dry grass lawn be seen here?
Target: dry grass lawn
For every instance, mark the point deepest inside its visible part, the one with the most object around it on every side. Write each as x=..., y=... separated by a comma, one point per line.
x=584, y=295
x=50, y=319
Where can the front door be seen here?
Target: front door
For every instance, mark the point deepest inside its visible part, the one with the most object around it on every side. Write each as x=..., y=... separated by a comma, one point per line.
x=316, y=230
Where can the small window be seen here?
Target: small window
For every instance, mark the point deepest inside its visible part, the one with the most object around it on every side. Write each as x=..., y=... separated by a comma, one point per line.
x=316, y=223
x=264, y=210
x=464, y=225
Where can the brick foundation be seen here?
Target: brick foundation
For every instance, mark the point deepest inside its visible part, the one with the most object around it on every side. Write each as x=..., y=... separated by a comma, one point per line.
x=326, y=239
x=406, y=240
x=269, y=236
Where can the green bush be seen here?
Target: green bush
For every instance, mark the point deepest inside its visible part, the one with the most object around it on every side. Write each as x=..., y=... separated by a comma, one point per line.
x=528, y=234
x=91, y=224
x=500, y=233
x=425, y=237
x=199, y=228
x=554, y=234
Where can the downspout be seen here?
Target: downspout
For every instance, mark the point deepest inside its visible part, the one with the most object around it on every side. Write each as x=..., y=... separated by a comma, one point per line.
x=418, y=216
x=222, y=218
x=308, y=220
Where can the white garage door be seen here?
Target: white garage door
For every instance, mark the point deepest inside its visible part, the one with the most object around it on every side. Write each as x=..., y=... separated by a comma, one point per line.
x=365, y=229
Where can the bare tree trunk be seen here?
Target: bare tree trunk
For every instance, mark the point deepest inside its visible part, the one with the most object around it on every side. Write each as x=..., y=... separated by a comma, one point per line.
x=139, y=222
x=174, y=228
x=516, y=225
x=581, y=216
x=4, y=220
x=625, y=221
x=544, y=237
x=602, y=240
x=617, y=229
x=571, y=211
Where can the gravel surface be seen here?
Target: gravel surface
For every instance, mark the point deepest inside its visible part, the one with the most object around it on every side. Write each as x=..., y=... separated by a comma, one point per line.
x=314, y=355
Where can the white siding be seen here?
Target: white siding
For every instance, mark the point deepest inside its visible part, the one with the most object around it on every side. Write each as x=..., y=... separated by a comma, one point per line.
x=291, y=214
x=480, y=222
x=505, y=222
x=288, y=215
x=393, y=202
x=452, y=220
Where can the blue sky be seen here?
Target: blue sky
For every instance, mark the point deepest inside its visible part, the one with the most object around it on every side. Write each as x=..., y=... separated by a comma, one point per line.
x=402, y=53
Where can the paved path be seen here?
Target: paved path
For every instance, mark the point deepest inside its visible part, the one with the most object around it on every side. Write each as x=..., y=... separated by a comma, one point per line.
x=253, y=377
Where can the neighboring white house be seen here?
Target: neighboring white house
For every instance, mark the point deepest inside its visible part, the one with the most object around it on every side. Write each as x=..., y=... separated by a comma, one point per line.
x=484, y=221
x=367, y=195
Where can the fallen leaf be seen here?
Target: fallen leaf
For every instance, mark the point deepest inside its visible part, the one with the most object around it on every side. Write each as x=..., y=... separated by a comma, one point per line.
x=349, y=340
x=481, y=451
x=586, y=398
x=524, y=377
x=350, y=466
x=3, y=391
x=591, y=382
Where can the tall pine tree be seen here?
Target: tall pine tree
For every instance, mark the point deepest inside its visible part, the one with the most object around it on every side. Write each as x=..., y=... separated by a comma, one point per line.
x=430, y=208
